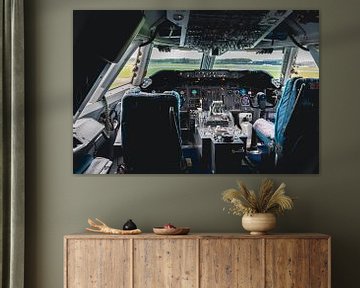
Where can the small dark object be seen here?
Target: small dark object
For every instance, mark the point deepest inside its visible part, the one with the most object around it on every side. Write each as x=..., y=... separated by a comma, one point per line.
x=129, y=225
x=226, y=137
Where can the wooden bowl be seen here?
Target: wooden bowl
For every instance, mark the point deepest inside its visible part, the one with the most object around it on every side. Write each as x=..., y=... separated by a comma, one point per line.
x=171, y=231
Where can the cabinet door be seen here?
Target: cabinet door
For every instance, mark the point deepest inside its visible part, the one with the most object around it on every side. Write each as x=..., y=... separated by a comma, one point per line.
x=98, y=263
x=287, y=263
x=165, y=263
x=231, y=263
x=320, y=263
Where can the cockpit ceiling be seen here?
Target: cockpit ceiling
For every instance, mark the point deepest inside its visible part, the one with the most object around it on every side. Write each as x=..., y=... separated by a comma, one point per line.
x=218, y=31
x=239, y=29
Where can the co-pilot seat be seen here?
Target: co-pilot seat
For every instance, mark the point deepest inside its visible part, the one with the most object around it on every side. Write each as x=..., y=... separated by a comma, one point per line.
x=150, y=132
x=296, y=129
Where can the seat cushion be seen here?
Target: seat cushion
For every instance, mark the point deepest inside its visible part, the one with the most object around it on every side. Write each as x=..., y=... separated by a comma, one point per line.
x=264, y=129
x=81, y=163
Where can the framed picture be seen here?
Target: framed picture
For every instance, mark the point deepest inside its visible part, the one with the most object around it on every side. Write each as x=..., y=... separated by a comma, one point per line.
x=196, y=91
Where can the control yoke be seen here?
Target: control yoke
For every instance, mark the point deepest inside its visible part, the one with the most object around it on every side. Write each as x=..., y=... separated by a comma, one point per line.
x=262, y=104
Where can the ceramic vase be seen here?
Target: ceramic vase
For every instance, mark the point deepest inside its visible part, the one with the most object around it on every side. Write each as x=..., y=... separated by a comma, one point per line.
x=259, y=223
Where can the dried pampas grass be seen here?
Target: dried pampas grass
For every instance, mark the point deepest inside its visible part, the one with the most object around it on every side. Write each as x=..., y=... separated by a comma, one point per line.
x=245, y=201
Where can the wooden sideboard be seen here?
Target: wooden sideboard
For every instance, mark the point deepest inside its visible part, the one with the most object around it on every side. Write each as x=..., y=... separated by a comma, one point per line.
x=197, y=260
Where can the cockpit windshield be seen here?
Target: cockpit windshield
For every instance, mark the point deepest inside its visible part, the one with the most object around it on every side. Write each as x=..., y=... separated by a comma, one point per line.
x=251, y=60
x=175, y=59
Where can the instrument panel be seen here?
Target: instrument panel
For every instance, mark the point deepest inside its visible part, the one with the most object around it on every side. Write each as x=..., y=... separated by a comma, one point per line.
x=225, y=74
x=199, y=88
x=234, y=98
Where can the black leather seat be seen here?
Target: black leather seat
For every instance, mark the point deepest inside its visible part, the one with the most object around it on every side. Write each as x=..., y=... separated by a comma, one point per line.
x=150, y=133
x=297, y=137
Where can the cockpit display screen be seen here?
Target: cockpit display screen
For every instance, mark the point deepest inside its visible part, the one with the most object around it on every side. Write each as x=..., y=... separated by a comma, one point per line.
x=245, y=101
x=242, y=91
x=195, y=93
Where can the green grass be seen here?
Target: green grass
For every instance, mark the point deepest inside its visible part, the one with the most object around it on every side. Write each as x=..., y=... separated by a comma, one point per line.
x=126, y=73
x=173, y=66
x=271, y=69
x=307, y=72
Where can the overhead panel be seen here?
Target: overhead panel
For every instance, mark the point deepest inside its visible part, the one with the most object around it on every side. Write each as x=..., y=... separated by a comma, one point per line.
x=230, y=29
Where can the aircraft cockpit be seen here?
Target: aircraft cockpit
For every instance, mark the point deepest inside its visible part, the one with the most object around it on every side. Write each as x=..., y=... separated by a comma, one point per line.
x=196, y=92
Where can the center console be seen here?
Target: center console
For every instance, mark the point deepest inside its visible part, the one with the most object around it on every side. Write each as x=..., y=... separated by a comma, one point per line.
x=219, y=142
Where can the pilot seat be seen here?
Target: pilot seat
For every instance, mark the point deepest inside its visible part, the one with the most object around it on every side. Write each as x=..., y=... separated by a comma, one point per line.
x=151, y=138
x=295, y=139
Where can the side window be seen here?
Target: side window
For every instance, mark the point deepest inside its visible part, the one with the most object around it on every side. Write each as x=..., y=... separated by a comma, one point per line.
x=126, y=73
x=305, y=66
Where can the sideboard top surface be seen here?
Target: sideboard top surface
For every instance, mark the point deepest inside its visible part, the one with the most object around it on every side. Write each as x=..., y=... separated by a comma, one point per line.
x=86, y=235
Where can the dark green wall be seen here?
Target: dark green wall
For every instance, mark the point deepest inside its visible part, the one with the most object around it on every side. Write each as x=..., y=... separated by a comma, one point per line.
x=59, y=203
